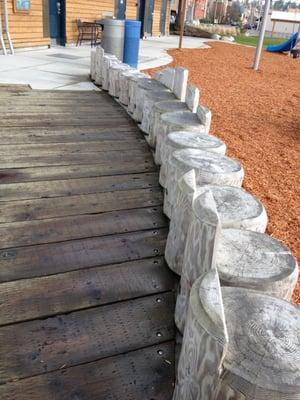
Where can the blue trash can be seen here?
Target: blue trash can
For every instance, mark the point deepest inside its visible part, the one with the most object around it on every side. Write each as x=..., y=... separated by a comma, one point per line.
x=132, y=42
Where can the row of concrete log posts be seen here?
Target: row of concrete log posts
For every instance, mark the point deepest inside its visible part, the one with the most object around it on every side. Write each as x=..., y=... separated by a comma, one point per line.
x=241, y=336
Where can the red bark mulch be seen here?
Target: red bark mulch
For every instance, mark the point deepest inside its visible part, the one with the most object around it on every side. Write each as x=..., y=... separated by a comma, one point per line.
x=257, y=114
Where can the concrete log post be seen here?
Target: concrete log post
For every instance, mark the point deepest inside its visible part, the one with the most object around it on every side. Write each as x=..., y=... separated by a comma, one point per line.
x=144, y=86
x=133, y=83
x=93, y=65
x=108, y=61
x=161, y=107
x=210, y=168
x=175, y=121
x=200, y=251
x=113, y=76
x=180, y=83
x=187, y=140
x=262, y=358
x=256, y=261
x=205, y=342
x=243, y=258
x=150, y=99
x=204, y=115
x=124, y=84
x=99, y=60
x=236, y=209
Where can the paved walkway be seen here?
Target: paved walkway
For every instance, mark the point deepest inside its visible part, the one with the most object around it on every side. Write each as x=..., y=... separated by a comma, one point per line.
x=87, y=300
x=67, y=68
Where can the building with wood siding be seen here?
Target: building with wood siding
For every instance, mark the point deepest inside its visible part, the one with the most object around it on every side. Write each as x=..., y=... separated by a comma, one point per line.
x=50, y=21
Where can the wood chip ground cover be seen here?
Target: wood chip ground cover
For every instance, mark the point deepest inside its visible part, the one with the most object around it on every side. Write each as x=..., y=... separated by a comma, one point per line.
x=257, y=114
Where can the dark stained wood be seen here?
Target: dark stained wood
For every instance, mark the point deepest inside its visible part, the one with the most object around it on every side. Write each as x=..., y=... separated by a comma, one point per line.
x=40, y=346
x=71, y=187
x=26, y=233
x=40, y=297
x=72, y=148
x=47, y=259
x=86, y=298
x=146, y=374
x=60, y=158
x=24, y=210
x=133, y=164
x=68, y=135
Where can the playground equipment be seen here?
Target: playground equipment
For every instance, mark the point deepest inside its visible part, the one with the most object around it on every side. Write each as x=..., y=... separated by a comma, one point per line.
x=286, y=46
x=5, y=29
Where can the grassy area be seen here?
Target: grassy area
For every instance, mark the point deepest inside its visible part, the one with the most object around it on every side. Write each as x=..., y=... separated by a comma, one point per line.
x=252, y=40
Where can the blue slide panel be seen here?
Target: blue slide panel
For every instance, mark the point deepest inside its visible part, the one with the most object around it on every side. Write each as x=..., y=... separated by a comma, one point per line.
x=286, y=46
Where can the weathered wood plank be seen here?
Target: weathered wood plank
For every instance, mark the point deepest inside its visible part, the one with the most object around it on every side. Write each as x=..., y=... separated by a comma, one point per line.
x=71, y=187
x=145, y=374
x=41, y=297
x=71, y=148
x=84, y=336
x=18, y=161
x=13, y=87
x=58, y=122
x=34, y=209
x=37, y=136
x=134, y=164
x=77, y=114
x=85, y=292
x=48, y=259
x=82, y=226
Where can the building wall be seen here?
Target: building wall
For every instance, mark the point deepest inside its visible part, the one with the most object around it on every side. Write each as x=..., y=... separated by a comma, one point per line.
x=156, y=18
x=86, y=10
x=289, y=24
x=32, y=29
x=199, y=9
x=131, y=9
x=168, y=17
x=27, y=29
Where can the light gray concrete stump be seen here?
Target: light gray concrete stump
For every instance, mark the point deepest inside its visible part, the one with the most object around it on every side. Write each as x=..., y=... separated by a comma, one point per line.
x=238, y=344
x=180, y=83
x=113, y=76
x=124, y=85
x=159, y=106
x=158, y=109
x=263, y=353
x=179, y=121
x=107, y=62
x=243, y=258
x=205, y=342
x=210, y=168
x=143, y=86
x=149, y=100
x=187, y=140
x=182, y=92
x=99, y=60
x=166, y=77
x=132, y=88
x=256, y=261
x=93, y=64
x=236, y=209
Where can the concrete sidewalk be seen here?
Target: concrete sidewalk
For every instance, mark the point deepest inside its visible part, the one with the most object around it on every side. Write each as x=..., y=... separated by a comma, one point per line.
x=67, y=68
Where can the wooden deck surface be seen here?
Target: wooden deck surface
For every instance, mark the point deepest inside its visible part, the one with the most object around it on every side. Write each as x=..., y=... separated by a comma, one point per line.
x=86, y=300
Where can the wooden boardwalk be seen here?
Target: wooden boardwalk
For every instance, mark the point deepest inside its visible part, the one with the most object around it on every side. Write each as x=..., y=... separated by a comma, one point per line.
x=86, y=300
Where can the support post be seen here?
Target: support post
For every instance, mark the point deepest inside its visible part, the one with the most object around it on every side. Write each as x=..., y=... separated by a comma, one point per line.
x=6, y=27
x=1, y=33
x=182, y=20
x=261, y=35
x=273, y=28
